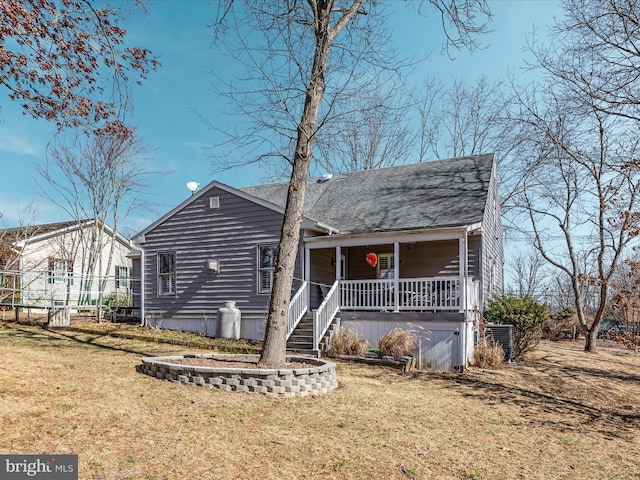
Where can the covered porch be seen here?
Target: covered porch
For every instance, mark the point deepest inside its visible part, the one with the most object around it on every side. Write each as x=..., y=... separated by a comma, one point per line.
x=430, y=274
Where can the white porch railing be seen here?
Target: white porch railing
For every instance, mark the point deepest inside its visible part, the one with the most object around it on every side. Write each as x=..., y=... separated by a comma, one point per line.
x=297, y=308
x=473, y=294
x=325, y=313
x=367, y=294
x=433, y=293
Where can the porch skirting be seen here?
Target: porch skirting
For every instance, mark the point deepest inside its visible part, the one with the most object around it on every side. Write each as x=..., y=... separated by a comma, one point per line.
x=445, y=341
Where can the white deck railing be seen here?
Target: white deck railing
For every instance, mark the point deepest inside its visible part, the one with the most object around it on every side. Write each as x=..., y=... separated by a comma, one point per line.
x=429, y=294
x=473, y=294
x=297, y=308
x=325, y=314
x=42, y=290
x=367, y=294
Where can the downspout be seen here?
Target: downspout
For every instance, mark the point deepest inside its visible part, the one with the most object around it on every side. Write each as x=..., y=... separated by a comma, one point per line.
x=464, y=296
x=462, y=264
x=142, y=287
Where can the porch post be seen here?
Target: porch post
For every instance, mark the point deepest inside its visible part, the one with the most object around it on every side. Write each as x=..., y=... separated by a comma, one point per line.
x=396, y=276
x=338, y=263
x=462, y=256
x=307, y=273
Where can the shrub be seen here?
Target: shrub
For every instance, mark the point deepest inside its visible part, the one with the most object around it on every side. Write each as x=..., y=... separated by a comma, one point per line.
x=115, y=300
x=559, y=325
x=397, y=343
x=346, y=342
x=526, y=316
x=488, y=356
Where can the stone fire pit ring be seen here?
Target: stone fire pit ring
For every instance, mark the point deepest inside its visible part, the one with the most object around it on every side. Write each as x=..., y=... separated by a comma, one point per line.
x=316, y=379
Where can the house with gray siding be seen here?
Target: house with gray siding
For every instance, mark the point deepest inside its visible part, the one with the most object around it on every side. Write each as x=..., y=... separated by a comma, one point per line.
x=415, y=246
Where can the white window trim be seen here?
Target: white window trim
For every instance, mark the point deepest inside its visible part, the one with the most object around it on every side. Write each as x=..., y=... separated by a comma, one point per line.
x=390, y=262
x=158, y=274
x=259, y=270
x=123, y=281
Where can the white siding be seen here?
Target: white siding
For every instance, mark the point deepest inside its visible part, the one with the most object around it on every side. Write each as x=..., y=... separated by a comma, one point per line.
x=439, y=342
x=72, y=246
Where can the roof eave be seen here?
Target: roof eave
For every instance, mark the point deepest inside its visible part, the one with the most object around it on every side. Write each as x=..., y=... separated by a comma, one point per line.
x=377, y=238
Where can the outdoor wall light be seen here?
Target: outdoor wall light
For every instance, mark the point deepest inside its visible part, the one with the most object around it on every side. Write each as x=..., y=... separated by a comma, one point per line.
x=214, y=265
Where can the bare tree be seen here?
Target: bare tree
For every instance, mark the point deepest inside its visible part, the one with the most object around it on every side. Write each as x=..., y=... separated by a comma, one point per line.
x=67, y=62
x=625, y=294
x=10, y=266
x=292, y=85
x=103, y=180
x=579, y=193
x=461, y=119
x=527, y=272
x=599, y=44
x=578, y=148
x=371, y=131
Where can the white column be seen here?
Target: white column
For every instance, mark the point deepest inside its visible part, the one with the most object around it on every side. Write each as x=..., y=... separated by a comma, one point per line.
x=338, y=263
x=307, y=273
x=396, y=276
x=462, y=265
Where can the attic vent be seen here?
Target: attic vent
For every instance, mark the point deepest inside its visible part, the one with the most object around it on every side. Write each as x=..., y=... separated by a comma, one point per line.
x=325, y=177
x=214, y=202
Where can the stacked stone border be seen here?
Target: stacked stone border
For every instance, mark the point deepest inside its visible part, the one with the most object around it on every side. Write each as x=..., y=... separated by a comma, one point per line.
x=318, y=378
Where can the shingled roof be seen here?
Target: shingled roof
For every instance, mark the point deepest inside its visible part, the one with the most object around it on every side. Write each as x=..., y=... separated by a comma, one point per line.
x=11, y=235
x=427, y=195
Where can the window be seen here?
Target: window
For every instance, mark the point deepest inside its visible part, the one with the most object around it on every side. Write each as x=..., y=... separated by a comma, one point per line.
x=267, y=255
x=60, y=270
x=123, y=274
x=386, y=265
x=167, y=273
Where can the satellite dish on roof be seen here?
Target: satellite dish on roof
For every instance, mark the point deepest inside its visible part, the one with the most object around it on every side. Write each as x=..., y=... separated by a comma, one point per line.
x=193, y=187
x=325, y=177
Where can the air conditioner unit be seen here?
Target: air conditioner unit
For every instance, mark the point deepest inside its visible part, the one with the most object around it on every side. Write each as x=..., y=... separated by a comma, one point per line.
x=501, y=335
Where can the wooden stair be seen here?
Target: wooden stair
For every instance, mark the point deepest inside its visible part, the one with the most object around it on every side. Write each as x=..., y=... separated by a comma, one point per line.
x=301, y=340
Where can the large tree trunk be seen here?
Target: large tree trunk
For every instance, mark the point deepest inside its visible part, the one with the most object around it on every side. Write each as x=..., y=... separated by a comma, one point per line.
x=274, y=347
x=590, y=340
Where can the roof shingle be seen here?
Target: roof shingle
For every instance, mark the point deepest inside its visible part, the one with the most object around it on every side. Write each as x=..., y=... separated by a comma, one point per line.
x=427, y=195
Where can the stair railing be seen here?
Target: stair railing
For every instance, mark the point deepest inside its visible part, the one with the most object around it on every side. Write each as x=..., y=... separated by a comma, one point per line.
x=297, y=308
x=325, y=314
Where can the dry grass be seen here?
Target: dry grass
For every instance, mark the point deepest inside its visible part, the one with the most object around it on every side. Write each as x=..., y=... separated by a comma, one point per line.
x=346, y=342
x=397, y=343
x=488, y=356
x=562, y=414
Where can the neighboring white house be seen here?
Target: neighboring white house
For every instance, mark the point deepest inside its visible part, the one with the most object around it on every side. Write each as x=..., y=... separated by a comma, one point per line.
x=77, y=264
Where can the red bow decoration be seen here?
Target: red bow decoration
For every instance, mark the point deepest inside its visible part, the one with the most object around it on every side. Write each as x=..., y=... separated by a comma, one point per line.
x=372, y=259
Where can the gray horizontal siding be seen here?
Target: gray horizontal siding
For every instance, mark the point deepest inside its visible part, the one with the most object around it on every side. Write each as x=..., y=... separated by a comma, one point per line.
x=492, y=247
x=250, y=328
x=197, y=233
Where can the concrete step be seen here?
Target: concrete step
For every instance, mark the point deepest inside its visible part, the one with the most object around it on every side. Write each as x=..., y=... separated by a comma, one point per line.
x=308, y=352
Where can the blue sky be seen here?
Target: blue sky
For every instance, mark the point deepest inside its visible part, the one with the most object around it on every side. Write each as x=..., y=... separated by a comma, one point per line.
x=176, y=31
